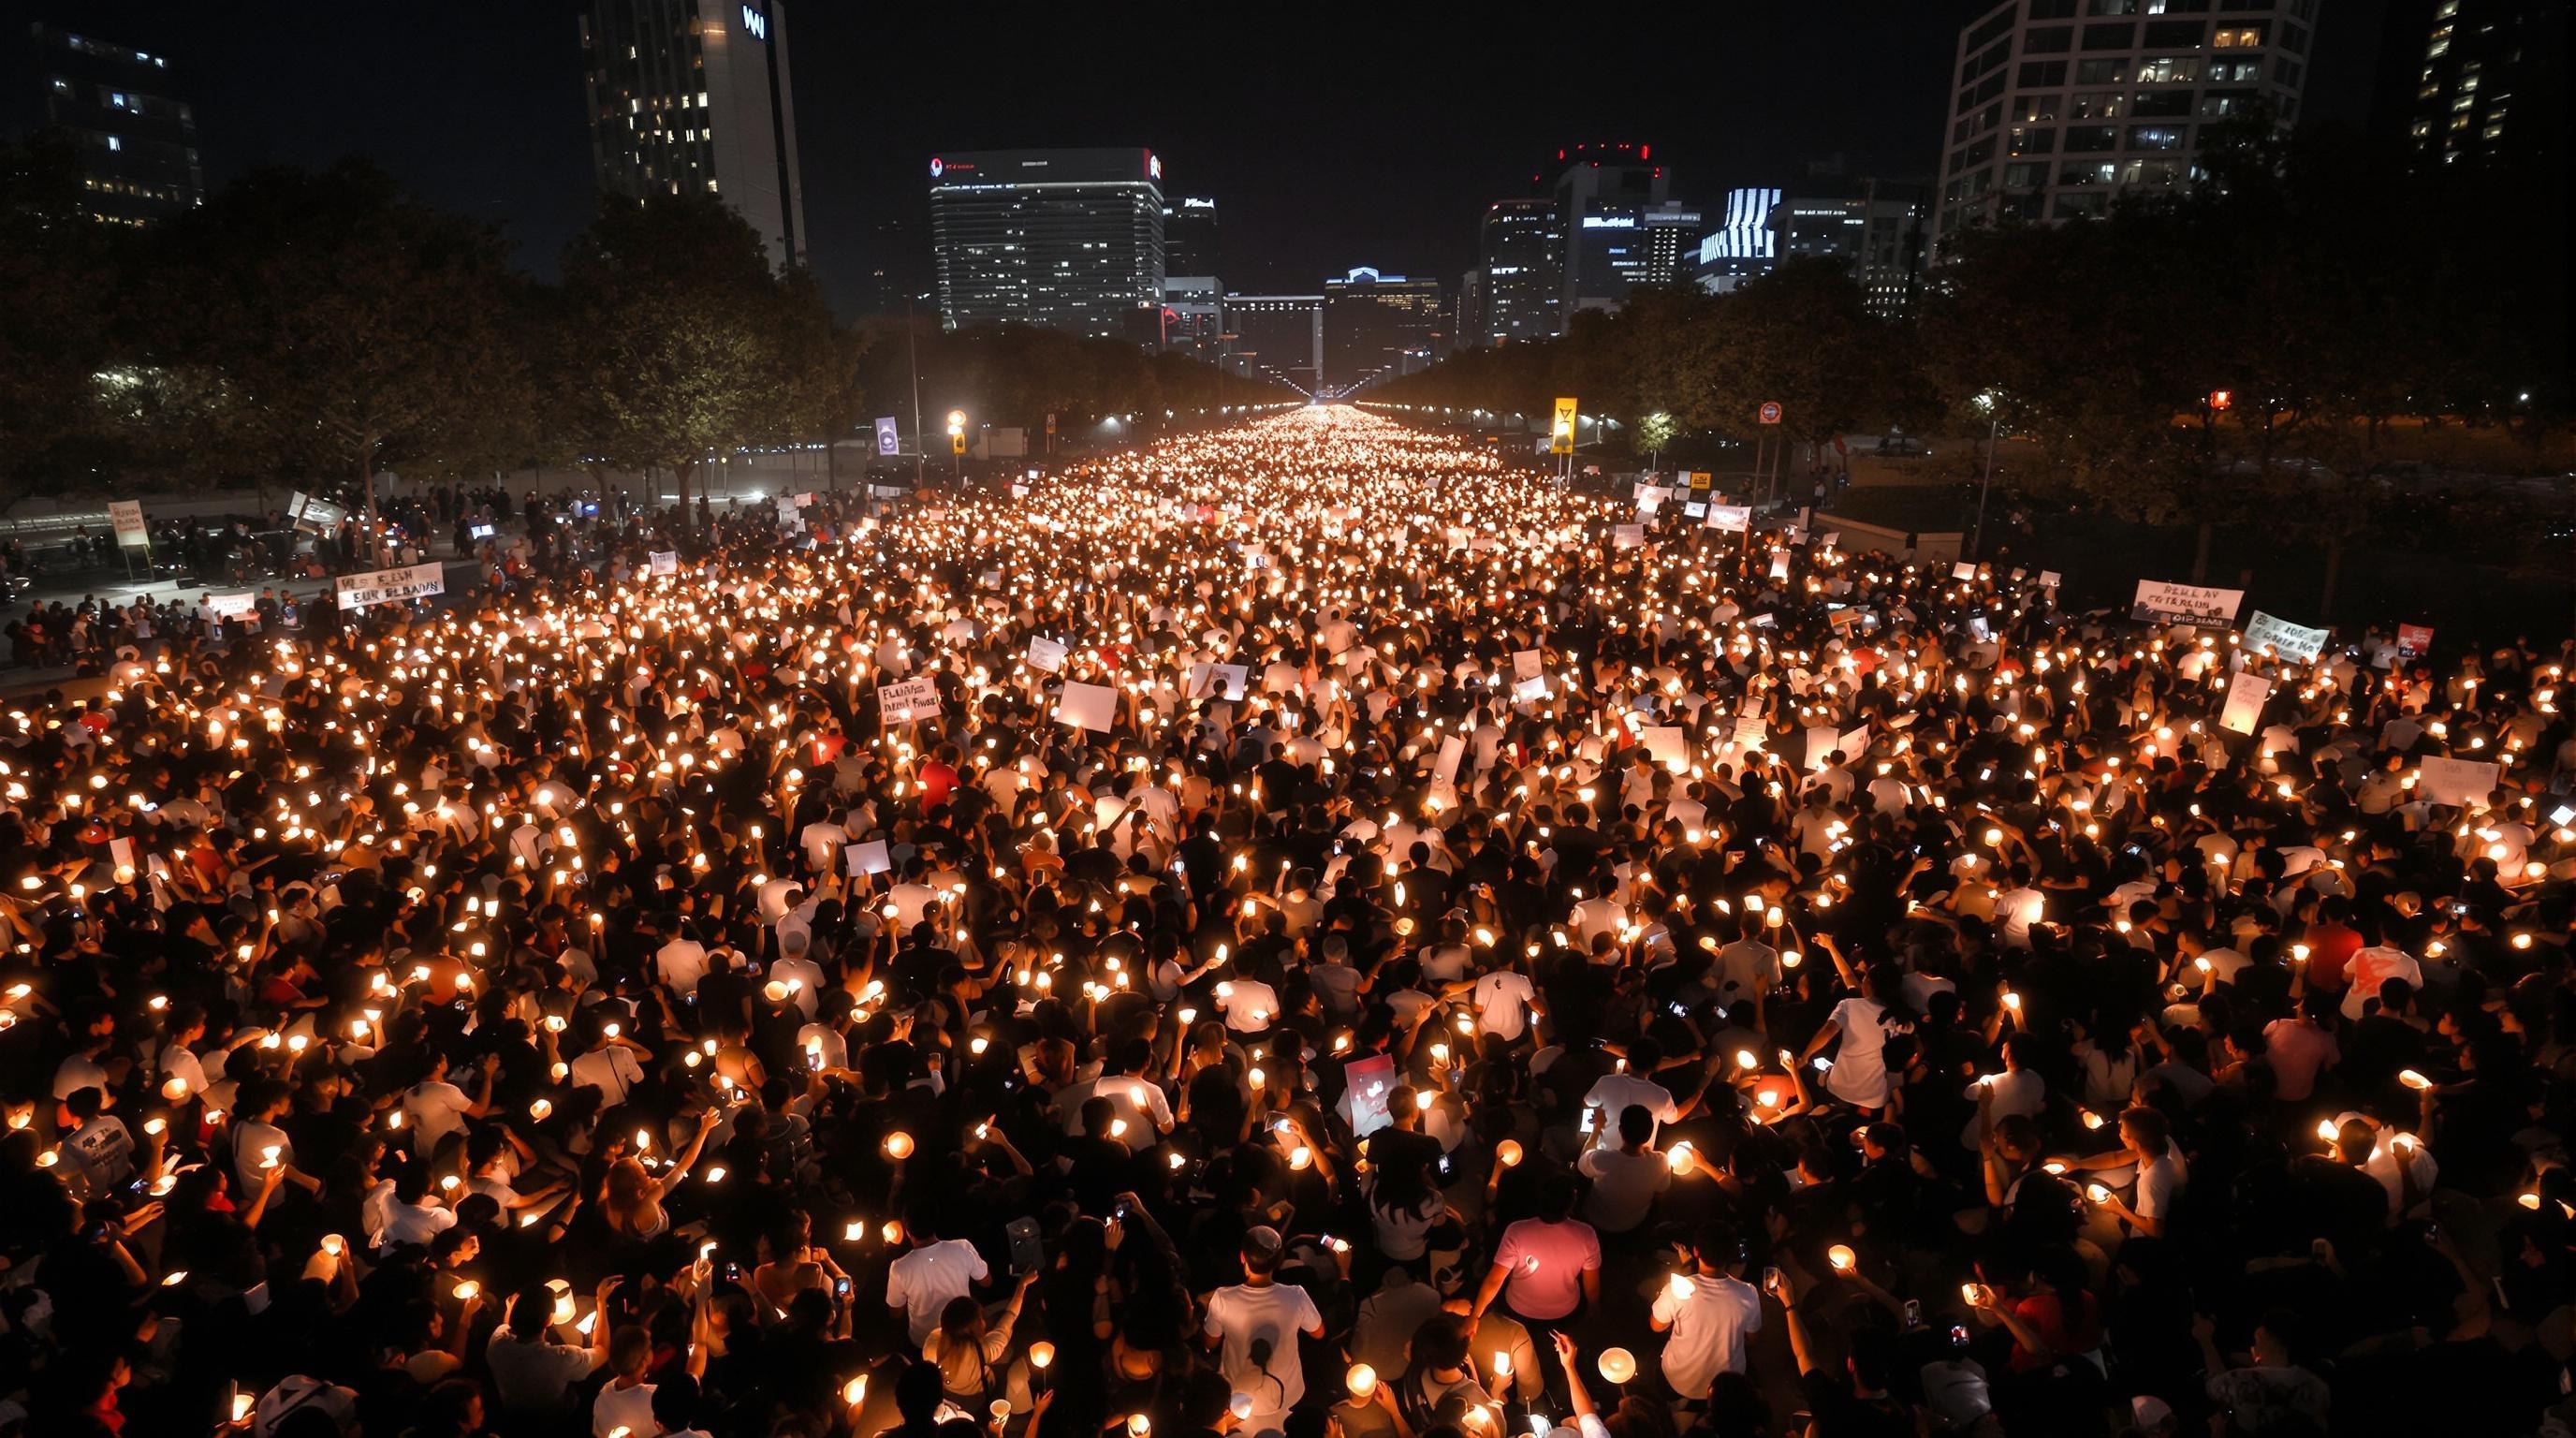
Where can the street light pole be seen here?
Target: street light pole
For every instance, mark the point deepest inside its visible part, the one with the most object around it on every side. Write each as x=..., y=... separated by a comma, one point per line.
x=1994, y=431
x=912, y=349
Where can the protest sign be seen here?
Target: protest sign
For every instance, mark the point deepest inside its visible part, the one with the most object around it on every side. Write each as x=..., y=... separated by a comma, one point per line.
x=2466, y=783
x=2245, y=696
x=1045, y=654
x=907, y=701
x=2162, y=602
x=391, y=586
x=1732, y=518
x=2290, y=641
x=1088, y=706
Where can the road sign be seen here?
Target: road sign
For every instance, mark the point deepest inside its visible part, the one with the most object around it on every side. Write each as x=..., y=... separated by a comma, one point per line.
x=1560, y=435
x=1770, y=411
x=889, y=438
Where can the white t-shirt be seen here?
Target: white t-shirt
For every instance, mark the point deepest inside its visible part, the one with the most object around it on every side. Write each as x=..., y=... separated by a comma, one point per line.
x=435, y=1108
x=1708, y=1328
x=681, y=963
x=922, y=1281
x=1278, y=1312
x=1613, y=1093
x=1502, y=1004
x=627, y=1408
x=1249, y=1006
x=2158, y=1182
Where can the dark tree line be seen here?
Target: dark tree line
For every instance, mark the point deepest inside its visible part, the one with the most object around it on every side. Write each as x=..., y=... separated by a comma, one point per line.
x=326, y=326
x=2344, y=311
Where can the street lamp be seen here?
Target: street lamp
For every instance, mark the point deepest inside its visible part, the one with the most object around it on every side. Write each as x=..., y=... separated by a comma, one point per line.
x=1985, y=400
x=957, y=442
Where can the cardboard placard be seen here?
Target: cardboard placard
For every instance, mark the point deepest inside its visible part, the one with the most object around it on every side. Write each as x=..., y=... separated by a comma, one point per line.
x=1088, y=706
x=907, y=701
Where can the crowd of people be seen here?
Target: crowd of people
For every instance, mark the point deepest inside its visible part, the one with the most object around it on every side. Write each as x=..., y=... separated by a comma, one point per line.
x=1293, y=930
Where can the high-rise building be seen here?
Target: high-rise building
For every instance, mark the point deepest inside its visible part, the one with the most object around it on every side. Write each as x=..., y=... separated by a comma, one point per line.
x=1190, y=238
x=2058, y=105
x=1671, y=234
x=693, y=95
x=1741, y=248
x=137, y=144
x=1378, y=327
x=2470, y=84
x=1279, y=337
x=1601, y=198
x=1193, y=320
x=1878, y=236
x=1061, y=239
x=1523, y=246
x=1467, y=319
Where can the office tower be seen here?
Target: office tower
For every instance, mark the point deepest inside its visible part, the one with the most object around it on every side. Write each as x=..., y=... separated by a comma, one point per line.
x=1060, y=239
x=1193, y=319
x=1523, y=245
x=1601, y=198
x=693, y=95
x=1742, y=247
x=1378, y=327
x=1671, y=235
x=2477, y=84
x=1189, y=237
x=137, y=144
x=1467, y=319
x=2058, y=105
x=1878, y=237
x=1278, y=337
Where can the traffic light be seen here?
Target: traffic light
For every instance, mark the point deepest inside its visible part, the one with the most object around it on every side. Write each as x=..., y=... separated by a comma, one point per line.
x=957, y=432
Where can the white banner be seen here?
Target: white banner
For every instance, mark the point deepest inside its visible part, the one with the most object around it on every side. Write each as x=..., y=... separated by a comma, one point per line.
x=906, y=701
x=2165, y=602
x=1733, y=518
x=2290, y=641
x=392, y=586
x=127, y=516
x=666, y=561
x=2245, y=695
x=225, y=606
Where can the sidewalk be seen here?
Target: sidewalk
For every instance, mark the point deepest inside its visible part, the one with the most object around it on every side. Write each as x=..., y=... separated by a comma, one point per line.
x=462, y=576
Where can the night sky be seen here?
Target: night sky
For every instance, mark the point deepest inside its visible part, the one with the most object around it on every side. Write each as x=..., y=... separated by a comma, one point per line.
x=1346, y=137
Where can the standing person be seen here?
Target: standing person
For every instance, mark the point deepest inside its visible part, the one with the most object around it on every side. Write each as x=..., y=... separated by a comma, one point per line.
x=1546, y=1269
x=1254, y=1326
x=1708, y=1314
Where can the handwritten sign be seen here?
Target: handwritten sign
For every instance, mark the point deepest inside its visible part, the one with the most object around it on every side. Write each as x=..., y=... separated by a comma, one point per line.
x=391, y=586
x=907, y=701
x=2163, y=602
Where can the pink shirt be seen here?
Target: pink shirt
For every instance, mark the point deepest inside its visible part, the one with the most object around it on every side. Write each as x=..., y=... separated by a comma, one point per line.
x=1547, y=1263
x=2298, y=1049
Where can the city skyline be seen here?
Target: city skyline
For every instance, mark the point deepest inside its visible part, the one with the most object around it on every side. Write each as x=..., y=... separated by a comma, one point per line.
x=487, y=115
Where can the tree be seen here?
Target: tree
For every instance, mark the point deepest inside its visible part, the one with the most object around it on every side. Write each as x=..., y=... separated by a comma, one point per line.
x=345, y=324
x=673, y=334
x=59, y=365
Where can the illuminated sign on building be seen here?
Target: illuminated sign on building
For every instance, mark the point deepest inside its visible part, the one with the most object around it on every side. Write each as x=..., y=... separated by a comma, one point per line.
x=1609, y=222
x=755, y=21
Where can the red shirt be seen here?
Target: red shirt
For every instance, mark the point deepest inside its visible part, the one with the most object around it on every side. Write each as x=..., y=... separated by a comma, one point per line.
x=937, y=780
x=2330, y=951
x=2066, y=1335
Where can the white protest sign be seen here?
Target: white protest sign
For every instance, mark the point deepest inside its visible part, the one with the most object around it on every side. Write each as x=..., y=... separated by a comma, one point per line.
x=1664, y=745
x=392, y=586
x=1453, y=748
x=1628, y=536
x=1087, y=706
x=907, y=701
x=1224, y=681
x=127, y=516
x=868, y=858
x=1045, y=654
x=666, y=561
x=1963, y=570
x=2462, y=782
x=1854, y=742
x=1750, y=732
x=1821, y=742
x=2051, y=579
x=2160, y=601
x=1529, y=691
x=2245, y=696
x=1733, y=518
x=226, y=606
x=2290, y=641
x=1526, y=664
x=1779, y=564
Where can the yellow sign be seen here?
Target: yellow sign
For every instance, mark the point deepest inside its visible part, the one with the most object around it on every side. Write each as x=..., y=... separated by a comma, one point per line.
x=1561, y=436
x=956, y=443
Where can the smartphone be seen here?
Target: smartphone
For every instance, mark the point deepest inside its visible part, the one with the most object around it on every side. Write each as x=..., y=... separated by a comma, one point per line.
x=1680, y=1011
x=1027, y=1254
x=1913, y=1314
x=1770, y=1279
x=732, y=1271
x=841, y=1288
x=1958, y=1335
